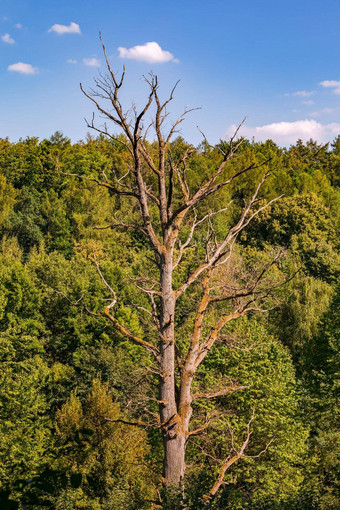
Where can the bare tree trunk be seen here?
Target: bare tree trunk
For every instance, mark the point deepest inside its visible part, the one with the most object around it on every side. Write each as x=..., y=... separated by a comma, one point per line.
x=173, y=436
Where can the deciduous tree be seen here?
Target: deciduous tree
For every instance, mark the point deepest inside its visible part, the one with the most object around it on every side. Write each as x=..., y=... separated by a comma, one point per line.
x=175, y=207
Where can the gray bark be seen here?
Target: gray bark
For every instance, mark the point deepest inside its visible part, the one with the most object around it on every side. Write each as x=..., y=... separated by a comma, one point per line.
x=174, y=437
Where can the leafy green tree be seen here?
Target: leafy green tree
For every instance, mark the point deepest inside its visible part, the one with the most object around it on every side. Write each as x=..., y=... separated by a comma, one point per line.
x=7, y=199
x=25, y=430
x=109, y=458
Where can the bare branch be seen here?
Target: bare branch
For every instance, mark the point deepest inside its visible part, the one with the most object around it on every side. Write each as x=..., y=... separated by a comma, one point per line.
x=104, y=184
x=231, y=460
x=206, y=346
x=185, y=245
x=209, y=187
x=220, y=393
x=201, y=429
x=138, y=423
x=120, y=224
x=226, y=245
x=114, y=295
x=73, y=303
x=139, y=341
x=249, y=290
x=178, y=122
x=122, y=329
x=262, y=451
x=150, y=292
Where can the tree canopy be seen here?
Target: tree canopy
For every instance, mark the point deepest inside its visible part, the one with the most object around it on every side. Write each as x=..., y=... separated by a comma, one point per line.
x=66, y=371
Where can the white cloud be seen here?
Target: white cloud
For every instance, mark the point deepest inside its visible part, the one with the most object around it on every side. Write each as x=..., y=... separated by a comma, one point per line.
x=22, y=68
x=72, y=28
x=71, y=61
x=335, y=85
x=308, y=101
x=18, y=25
x=92, y=62
x=303, y=93
x=286, y=133
x=327, y=111
x=7, y=39
x=149, y=52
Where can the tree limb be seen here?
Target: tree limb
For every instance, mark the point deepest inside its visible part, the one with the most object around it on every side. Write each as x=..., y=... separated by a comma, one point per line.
x=220, y=393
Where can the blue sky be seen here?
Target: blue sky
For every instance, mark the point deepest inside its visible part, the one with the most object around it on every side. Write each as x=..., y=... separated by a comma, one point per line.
x=274, y=61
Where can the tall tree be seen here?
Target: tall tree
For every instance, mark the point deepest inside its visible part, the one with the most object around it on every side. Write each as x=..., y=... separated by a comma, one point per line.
x=172, y=209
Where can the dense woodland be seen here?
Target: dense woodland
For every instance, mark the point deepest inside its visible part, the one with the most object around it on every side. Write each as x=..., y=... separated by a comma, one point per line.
x=74, y=388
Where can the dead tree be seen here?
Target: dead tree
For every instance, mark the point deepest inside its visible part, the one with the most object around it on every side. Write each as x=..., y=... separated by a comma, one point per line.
x=158, y=182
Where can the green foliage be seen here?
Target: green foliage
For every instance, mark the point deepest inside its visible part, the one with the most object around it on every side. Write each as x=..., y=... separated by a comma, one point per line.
x=64, y=372
x=263, y=366
x=104, y=460
x=7, y=199
x=303, y=225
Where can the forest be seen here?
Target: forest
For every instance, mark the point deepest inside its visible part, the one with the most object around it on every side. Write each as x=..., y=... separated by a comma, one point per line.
x=86, y=232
